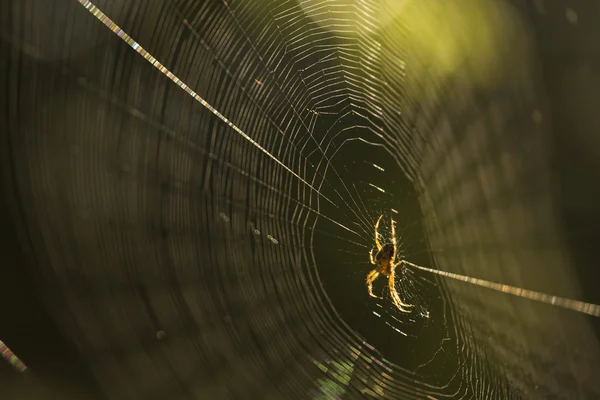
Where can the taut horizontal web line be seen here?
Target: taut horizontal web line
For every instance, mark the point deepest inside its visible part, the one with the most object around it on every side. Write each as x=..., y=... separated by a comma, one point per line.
x=575, y=305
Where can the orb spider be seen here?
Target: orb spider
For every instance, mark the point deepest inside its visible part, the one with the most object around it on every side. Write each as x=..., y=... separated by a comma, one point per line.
x=385, y=260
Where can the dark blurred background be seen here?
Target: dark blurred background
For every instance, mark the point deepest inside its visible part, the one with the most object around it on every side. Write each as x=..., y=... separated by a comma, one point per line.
x=567, y=44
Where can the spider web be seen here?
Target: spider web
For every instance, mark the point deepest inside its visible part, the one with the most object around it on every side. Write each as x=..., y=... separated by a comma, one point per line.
x=214, y=170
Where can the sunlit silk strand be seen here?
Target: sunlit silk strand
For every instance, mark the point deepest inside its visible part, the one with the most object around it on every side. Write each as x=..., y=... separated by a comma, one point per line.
x=580, y=306
x=9, y=356
x=127, y=39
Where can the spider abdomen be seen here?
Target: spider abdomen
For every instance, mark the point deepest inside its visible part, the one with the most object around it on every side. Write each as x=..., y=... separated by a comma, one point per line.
x=385, y=267
x=384, y=258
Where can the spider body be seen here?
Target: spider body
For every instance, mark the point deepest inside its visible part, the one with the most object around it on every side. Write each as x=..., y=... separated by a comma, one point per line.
x=384, y=258
x=385, y=262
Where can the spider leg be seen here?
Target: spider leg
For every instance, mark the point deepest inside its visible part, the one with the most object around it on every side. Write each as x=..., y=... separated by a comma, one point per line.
x=397, y=301
x=377, y=233
x=371, y=257
x=370, y=278
x=394, y=240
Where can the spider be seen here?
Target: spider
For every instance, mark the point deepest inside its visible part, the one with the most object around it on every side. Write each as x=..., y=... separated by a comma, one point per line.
x=385, y=260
